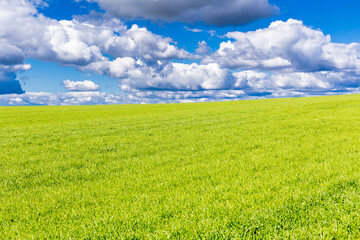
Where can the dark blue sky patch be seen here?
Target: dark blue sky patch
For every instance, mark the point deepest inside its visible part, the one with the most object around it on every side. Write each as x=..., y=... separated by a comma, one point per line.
x=10, y=87
x=66, y=9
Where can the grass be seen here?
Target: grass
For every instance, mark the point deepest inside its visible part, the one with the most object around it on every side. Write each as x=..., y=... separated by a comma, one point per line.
x=264, y=169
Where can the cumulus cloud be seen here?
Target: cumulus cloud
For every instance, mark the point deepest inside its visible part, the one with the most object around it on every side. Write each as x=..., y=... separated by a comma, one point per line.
x=289, y=55
x=85, y=44
x=250, y=79
x=86, y=85
x=78, y=42
x=325, y=81
x=43, y=98
x=212, y=12
x=136, y=74
x=133, y=97
x=179, y=76
x=286, y=46
x=140, y=43
x=10, y=55
x=203, y=48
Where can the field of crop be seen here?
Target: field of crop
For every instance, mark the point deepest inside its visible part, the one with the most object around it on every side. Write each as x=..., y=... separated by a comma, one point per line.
x=281, y=168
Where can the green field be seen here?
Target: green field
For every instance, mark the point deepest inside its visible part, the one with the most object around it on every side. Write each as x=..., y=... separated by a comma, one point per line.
x=258, y=169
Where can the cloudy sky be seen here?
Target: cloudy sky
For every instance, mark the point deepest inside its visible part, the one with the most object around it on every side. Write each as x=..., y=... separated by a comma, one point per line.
x=60, y=52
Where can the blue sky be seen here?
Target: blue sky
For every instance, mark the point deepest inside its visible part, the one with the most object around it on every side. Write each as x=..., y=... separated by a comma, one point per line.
x=149, y=51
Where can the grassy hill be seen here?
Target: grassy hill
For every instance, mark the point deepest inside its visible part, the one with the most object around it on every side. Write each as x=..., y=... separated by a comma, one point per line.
x=247, y=169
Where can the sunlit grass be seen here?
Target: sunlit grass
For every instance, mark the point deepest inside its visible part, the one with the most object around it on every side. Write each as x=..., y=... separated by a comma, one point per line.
x=247, y=169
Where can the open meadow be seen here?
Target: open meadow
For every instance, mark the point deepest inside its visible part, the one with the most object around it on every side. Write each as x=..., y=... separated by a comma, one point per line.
x=258, y=169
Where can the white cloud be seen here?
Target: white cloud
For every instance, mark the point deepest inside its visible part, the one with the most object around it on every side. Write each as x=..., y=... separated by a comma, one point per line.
x=10, y=55
x=301, y=81
x=203, y=48
x=212, y=12
x=118, y=68
x=180, y=76
x=250, y=79
x=286, y=46
x=196, y=30
x=326, y=80
x=86, y=85
x=83, y=44
x=70, y=98
x=342, y=56
x=93, y=98
x=140, y=43
x=78, y=42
